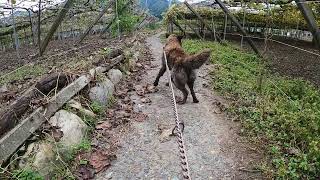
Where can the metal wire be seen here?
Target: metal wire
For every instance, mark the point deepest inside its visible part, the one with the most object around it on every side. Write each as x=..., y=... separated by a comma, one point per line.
x=181, y=145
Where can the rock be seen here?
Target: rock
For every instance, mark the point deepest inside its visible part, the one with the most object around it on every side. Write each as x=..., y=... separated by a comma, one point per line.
x=115, y=75
x=293, y=151
x=98, y=70
x=39, y=156
x=76, y=105
x=102, y=92
x=132, y=64
x=3, y=89
x=43, y=157
x=71, y=125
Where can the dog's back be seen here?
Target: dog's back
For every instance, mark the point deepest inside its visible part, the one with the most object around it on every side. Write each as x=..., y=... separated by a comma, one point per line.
x=176, y=55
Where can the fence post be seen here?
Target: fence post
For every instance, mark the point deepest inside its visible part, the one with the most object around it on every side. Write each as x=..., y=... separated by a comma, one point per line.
x=311, y=21
x=243, y=24
x=55, y=25
x=225, y=26
x=16, y=39
x=233, y=19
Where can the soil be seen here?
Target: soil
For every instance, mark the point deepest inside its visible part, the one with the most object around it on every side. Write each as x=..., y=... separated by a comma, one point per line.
x=214, y=147
x=289, y=61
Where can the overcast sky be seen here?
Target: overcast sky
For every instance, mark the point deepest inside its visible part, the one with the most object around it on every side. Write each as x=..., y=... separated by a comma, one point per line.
x=30, y=3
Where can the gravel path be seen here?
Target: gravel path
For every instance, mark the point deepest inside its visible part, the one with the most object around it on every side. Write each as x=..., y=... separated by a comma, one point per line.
x=214, y=148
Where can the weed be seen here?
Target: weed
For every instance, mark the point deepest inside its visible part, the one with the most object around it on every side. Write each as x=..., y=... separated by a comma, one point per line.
x=96, y=107
x=111, y=101
x=286, y=112
x=105, y=51
x=27, y=174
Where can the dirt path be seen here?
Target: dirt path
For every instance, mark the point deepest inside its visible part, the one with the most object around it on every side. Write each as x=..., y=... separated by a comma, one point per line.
x=215, y=150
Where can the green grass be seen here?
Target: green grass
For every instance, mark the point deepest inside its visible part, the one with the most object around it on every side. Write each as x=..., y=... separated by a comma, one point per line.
x=284, y=116
x=27, y=174
x=22, y=73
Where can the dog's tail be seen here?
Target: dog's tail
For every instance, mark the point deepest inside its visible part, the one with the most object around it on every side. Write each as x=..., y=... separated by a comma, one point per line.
x=195, y=61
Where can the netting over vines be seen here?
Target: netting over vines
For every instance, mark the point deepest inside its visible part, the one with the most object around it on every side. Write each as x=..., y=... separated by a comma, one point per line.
x=281, y=17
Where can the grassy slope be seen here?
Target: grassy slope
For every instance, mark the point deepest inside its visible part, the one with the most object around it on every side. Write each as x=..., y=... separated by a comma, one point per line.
x=284, y=115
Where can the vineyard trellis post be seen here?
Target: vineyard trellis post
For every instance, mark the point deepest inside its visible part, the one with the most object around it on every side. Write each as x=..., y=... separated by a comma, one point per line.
x=176, y=24
x=115, y=17
x=55, y=25
x=39, y=26
x=16, y=39
x=310, y=19
x=104, y=10
x=235, y=21
x=201, y=20
x=189, y=25
x=243, y=21
x=225, y=26
x=118, y=20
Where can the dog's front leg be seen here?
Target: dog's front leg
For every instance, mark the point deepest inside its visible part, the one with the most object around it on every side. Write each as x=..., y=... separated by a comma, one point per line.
x=161, y=72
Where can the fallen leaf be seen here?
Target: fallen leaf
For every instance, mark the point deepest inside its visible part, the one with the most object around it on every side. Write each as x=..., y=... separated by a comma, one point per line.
x=165, y=135
x=146, y=100
x=7, y=96
x=84, y=172
x=56, y=133
x=104, y=126
x=140, y=117
x=99, y=161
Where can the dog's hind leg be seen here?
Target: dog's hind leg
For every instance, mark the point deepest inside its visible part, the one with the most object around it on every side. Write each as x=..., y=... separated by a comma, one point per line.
x=183, y=89
x=190, y=84
x=185, y=93
x=191, y=79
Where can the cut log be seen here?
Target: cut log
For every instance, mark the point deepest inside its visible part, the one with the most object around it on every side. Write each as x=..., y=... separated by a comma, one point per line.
x=15, y=138
x=112, y=54
x=18, y=135
x=10, y=117
x=101, y=69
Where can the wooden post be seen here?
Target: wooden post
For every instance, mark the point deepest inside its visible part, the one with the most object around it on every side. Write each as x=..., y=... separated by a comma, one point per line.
x=177, y=24
x=225, y=26
x=233, y=19
x=311, y=21
x=16, y=39
x=114, y=18
x=55, y=25
x=201, y=20
x=194, y=30
x=86, y=32
x=39, y=27
x=170, y=27
x=243, y=24
x=31, y=26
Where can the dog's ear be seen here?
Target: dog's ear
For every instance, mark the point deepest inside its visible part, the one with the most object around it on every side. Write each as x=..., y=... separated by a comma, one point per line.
x=180, y=37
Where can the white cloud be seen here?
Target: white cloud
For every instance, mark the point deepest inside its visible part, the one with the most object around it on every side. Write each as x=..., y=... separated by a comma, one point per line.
x=33, y=4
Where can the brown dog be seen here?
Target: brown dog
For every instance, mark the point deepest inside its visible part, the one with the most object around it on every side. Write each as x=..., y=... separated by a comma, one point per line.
x=182, y=65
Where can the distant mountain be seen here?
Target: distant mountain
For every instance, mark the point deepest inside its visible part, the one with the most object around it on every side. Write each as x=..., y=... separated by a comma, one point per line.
x=157, y=7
